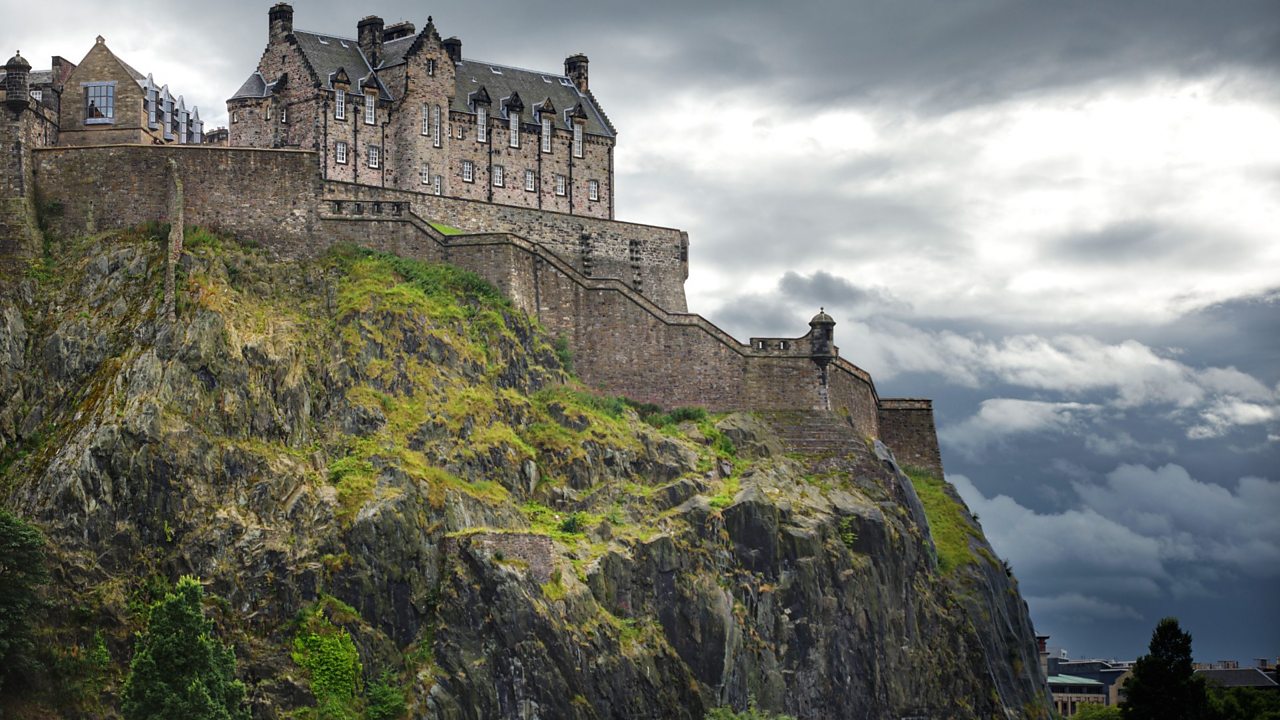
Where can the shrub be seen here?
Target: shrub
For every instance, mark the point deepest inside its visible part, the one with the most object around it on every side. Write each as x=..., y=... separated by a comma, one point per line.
x=385, y=700
x=22, y=572
x=574, y=523
x=329, y=656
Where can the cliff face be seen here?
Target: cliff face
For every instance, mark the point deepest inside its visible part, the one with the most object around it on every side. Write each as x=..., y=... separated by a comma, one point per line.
x=390, y=443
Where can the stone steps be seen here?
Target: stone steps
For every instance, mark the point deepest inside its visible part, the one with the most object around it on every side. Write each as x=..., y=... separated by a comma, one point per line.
x=814, y=433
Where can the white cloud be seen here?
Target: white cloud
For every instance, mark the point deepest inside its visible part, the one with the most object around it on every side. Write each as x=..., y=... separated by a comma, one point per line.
x=1000, y=418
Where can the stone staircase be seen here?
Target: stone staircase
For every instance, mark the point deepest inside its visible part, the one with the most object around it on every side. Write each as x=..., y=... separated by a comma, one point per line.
x=815, y=434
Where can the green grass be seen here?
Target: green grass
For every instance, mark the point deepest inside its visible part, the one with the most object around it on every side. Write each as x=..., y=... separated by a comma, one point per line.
x=447, y=229
x=949, y=521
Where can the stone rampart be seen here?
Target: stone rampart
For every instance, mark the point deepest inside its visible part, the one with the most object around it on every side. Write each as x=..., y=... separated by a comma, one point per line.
x=906, y=426
x=23, y=127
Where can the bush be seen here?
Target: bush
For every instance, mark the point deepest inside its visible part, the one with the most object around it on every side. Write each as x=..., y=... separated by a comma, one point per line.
x=22, y=572
x=178, y=668
x=385, y=700
x=329, y=656
x=574, y=523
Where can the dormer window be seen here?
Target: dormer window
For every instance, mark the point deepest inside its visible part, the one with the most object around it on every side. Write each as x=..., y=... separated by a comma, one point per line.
x=339, y=104
x=546, y=134
x=99, y=103
x=577, y=140
x=482, y=124
x=370, y=109
x=513, y=123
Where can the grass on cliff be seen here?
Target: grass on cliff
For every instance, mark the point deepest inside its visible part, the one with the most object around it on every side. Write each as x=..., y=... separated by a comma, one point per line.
x=949, y=522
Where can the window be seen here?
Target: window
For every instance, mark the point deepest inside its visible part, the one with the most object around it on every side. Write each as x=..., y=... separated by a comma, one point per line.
x=593, y=189
x=498, y=176
x=459, y=132
x=268, y=110
x=235, y=117
x=340, y=153
x=375, y=156
x=426, y=121
x=370, y=109
x=577, y=140
x=437, y=185
x=513, y=124
x=560, y=185
x=468, y=171
x=37, y=95
x=99, y=103
x=431, y=66
x=339, y=104
x=435, y=125
x=530, y=181
x=546, y=135
x=482, y=125
x=426, y=174
x=284, y=115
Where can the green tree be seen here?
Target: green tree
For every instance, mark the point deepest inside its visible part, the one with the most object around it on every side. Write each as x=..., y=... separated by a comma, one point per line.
x=22, y=572
x=179, y=670
x=1164, y=685
x=1097, y=712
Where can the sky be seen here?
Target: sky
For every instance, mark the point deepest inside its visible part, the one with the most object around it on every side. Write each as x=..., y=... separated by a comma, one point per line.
x=1058, y=220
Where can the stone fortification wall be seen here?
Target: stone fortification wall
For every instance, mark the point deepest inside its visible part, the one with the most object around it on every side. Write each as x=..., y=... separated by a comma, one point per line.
x=652, y=260
x=22, y=129
x=906, y=426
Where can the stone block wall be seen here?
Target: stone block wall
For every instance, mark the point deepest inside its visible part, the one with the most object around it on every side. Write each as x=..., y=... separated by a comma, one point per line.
x=22, y=129
x=906, y=426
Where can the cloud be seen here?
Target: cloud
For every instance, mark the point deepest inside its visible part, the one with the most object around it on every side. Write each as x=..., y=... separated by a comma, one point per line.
x=1080, y=608
x=1226, y=413
x=1001, y=418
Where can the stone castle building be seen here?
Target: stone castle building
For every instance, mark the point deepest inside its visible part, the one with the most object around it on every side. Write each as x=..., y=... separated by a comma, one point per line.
x=385, y=139
x=397, y=108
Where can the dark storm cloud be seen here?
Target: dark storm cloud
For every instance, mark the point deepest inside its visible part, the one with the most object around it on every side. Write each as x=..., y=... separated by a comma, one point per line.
x=1148, y=242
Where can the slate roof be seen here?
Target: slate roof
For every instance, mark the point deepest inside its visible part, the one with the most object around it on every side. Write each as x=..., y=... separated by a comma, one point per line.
x=327, y=53
x=35, y=77
x=1239, y=677
x=1071, y=680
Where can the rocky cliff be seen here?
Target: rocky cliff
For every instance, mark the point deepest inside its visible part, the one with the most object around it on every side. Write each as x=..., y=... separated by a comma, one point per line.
x=388, y=450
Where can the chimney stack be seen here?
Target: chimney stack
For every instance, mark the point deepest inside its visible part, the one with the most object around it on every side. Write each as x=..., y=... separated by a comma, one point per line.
x=369, y=31
x=397, y=31
x=280, y=21
x=453, y=46
x=575, y=66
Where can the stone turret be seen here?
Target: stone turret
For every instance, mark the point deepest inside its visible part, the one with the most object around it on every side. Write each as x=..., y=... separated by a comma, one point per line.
x=575, y=66
x=369, y=33
x=822, y=338
x=17, y=86
x=280, y=21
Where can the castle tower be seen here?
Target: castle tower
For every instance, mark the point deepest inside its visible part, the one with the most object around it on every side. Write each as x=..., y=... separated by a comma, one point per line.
x=280, y=21
x=575, y=66
x=822, y=335
x=17, y=86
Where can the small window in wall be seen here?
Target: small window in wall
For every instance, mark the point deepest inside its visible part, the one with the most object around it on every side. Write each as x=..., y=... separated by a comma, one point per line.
x=284, y=115
x=593, y=189
x=268, y=110
x=99, y=103
x=513, y=125
x=339, y=104
x=546, y=135
x=499, y=175
x=561, y=184
x=482, y=125
x=375, y=156
x=577, y=140
x=468, y=171
x=459, y=132
x=370, y=109
x=426, y=121
x=235, y=117
x=435, y=125
x=437, y=185
x=431, y=66
x=426, y=174
x=530, y=181
x=37, y=95
x=340, y=153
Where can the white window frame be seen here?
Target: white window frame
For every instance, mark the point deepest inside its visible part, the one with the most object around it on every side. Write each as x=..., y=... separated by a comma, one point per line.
x=435, y=125
x=370, y=109
x=426, y=174
x=530, y=181
x=460, y=131
x=437, y=185
x=468, y=171
x=269, y=103
x=339, y=104
x=593, y=189
x=499, y=174
x=482, y=125
x=546, y=135
x=577, y=140
x=561, y=185
x=426, y=119
x=431, y=66
x=513, y=127
x=374, y=154
x=284, y=115
x=340, y=152
x=37, y=95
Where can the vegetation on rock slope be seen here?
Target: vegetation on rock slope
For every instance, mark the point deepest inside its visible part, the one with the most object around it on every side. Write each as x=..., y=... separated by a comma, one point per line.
x=366, y=454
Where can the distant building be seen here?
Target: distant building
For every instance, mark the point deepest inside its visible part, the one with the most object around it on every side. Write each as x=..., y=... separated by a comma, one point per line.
x=1232, y=677
x=1110, y=674
x=216, y=136
x=1071, y=692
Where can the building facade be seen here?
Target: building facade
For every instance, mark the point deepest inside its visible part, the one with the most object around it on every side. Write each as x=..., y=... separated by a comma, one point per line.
x=397, y=108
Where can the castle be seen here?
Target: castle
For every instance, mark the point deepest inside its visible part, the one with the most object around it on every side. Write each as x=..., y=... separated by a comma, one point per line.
x=612, y=290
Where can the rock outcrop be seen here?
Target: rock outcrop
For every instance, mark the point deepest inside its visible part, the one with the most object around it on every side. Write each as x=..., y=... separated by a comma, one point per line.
x=391, y=439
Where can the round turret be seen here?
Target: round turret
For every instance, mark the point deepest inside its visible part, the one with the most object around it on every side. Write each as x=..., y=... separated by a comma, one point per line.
x=16, y=81
x=821, y=337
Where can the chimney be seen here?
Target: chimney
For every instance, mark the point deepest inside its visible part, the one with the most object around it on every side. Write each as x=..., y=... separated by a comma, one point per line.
x=279, y=21
x=575, y=66
x=397, y=31
x=16, y=85
x=369, y=31
x=453, y=46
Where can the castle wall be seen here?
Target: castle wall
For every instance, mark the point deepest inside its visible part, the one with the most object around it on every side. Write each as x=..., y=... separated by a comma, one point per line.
x=906, y=426
x=21, y=131
x=651, y=260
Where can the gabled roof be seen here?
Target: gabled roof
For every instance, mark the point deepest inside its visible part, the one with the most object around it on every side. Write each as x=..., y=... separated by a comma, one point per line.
x=327, y=53
x=505, y=81
x=1238, y=677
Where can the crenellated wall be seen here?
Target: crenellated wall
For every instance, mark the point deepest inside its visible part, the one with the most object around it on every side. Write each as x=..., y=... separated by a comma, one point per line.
x=623, y=341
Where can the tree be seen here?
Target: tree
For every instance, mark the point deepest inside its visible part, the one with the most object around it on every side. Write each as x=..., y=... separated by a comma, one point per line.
x=179, y=670
x=22, y=572
x=1089, y=711
x=1164, y=685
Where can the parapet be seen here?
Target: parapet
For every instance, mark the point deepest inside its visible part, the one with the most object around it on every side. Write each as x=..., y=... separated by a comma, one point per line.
x=907, y=427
